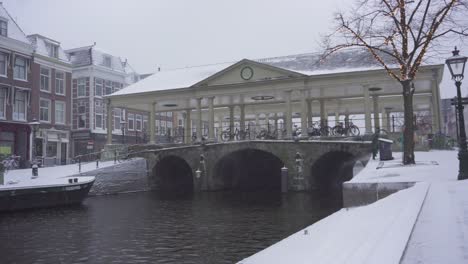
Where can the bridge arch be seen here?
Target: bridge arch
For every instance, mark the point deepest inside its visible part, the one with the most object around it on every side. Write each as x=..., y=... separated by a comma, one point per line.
x=249, y=169
x=330, y=170
x=172, y=174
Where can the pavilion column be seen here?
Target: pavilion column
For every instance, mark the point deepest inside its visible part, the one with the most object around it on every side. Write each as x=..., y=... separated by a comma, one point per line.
x=337, y=117
x=367, y=111
x=288, y=117
x=375, y=100
x=242, y=117
x=384, y=119
x=387, y=118
x=199, y=119
x=231, y=122
x=309, y=112
x=152, y=118
x=109, y=121
x=276, y=122
x=257, y=122
x=323, y=114
x=304, y=113
x=220, y=126
x=436, y=107
x=211, y=121
x=188, y=126
x=267, y=121
x=346, y=119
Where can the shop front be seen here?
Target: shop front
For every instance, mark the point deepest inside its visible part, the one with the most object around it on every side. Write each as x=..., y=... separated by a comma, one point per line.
x=14, y=140
x=53, y=147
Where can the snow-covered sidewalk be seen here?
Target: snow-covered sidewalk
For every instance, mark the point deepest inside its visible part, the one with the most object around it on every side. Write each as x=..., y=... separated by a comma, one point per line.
x=383, y=232
x=47, y=175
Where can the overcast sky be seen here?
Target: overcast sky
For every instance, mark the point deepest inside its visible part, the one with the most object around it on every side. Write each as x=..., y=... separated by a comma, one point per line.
x=178, y=33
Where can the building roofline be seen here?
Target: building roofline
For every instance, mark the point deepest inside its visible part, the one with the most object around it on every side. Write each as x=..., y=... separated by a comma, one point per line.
x=44, y=37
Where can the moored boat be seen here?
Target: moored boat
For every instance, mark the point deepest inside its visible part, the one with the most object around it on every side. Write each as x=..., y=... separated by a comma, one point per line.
x=45, y=193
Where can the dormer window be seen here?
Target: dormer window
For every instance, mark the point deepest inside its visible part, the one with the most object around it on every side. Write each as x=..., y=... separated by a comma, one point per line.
x=52, y=49
x=3, y=28
x=107, y=61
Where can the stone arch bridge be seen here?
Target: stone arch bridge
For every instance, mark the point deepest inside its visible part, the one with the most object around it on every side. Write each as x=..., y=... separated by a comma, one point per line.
x=252, y=165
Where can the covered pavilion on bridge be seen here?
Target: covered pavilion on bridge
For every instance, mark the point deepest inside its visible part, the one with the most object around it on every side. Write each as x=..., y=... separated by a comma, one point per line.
x=278, y=91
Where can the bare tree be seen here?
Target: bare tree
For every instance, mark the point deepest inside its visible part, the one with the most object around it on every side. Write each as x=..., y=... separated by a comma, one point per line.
x=400, y=35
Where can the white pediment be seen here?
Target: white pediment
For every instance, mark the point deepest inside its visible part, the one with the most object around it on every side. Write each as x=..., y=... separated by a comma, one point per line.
x=247, y=71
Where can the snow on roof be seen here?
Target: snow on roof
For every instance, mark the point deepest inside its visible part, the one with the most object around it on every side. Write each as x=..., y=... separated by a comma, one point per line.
x=40, y=44
x=173, y=79
x=88, y=55
x=308, y=64
x=14, y=31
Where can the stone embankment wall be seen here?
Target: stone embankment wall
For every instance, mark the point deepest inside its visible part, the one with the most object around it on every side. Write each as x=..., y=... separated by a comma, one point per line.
x=363, y=193
x=129, y=176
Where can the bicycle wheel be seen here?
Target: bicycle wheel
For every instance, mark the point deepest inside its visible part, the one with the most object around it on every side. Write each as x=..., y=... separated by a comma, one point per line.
x=353, y=130
x=325, y=131
x=225, y=136
x=336, y=131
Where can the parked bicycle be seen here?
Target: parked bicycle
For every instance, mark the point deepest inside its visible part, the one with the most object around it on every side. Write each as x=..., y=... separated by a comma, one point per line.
x=342, y=130
x=11, y=162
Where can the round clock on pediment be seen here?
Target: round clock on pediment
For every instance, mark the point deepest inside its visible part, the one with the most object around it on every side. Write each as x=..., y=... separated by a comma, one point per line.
x=247, y=73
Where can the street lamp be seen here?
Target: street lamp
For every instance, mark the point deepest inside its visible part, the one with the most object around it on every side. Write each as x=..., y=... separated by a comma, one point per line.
x=35, y=127
x=122, y=127
x=456, y=65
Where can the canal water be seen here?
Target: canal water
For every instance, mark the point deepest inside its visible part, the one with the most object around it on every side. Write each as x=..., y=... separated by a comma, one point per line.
x=146, y=227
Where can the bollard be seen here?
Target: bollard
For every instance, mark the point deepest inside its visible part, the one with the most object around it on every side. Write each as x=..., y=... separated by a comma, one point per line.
x=97, y=163
x=115, y=156
x=79, y=165
x=284, y=179
x=35, y=171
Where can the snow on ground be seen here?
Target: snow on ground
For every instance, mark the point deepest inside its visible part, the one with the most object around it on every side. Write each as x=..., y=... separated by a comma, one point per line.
x=47, y=175
x=383, y=232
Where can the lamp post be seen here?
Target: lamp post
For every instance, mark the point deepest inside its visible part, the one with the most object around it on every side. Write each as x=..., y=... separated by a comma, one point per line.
x=456, y=65
x=35, y=126
x=122, y=127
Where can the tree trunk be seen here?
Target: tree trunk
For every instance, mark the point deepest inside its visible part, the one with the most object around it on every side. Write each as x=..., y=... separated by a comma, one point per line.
x=408, y=129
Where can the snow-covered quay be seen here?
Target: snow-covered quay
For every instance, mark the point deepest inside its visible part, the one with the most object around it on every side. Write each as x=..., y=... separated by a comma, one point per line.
x=427, y=223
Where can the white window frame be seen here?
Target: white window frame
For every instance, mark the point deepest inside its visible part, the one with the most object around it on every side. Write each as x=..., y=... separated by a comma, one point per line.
x=15, y=113
x=58, y=80
x=64, y=112
x=131, y=117
x=81, y=115
x=78, y=87
x=48, y=110
x=5, y=74
x=101, y=124
x=138, y=118
x=25, y=69
x=52, y=50
x=5, y=100
x=117, y=116
x=145, y=123
x=44, y=76
x=98, y=82
x=6, y=27
x=108, y=84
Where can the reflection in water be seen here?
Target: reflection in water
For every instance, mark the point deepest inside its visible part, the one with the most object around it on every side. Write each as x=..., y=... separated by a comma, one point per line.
x=221, y=227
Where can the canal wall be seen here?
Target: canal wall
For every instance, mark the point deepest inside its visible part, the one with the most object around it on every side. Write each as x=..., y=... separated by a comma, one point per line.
x=364, y=193
x=129, y=176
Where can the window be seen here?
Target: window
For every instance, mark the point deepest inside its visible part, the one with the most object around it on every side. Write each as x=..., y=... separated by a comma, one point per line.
x=81, y=87
x=145, y=123
x=3, y=28
x=19, y=108
x=82, y=117
x=98, y=114
x=52, y=50
x=20, y=68
x=60, y=112
x=98, y=87
x=3, y=102
x=3, y=64
x=107, y=61
x=44, y=110
x=108, y=87
x=138, y=122
x=131, y=121
x=45, y=76
x=117, y=118
x=60, y=83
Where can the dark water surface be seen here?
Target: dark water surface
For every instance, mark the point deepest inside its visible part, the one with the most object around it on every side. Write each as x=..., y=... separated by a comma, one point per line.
x=222, y=227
